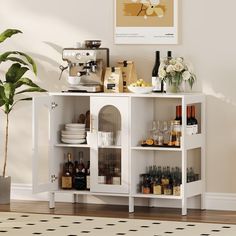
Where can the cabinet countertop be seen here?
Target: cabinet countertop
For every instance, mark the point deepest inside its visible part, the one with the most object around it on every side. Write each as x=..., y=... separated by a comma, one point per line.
x=151, y=95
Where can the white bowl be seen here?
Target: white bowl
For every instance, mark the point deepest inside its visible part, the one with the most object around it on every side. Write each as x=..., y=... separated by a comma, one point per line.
x=75, y=125
x=73, y=132
x=75, y=129
x=73, y=136
x=73, y=80
x=73, y=141
x=140, y=89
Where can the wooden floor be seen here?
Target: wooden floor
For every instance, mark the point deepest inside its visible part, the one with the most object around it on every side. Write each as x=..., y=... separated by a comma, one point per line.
x=121, y=212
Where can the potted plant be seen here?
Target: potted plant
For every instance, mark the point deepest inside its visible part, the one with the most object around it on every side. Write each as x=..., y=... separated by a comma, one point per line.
x=176, y=73
x=12, y=90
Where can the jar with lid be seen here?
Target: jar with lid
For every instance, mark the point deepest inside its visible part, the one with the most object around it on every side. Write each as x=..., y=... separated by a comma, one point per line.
x=146, y=185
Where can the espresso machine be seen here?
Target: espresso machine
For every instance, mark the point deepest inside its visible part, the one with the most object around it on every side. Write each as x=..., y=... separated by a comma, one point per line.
x=86, y=68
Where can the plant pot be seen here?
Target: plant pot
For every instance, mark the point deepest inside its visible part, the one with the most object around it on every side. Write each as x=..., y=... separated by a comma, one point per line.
x=5, y=190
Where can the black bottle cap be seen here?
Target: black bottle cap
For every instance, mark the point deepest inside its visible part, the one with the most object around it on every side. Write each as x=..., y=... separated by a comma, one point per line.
x=169, y=54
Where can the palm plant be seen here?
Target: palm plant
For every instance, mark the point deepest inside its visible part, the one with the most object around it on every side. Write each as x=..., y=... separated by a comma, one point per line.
x=15, y=83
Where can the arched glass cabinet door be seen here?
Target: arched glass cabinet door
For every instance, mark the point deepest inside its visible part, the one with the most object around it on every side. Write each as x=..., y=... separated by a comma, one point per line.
x=109, y=157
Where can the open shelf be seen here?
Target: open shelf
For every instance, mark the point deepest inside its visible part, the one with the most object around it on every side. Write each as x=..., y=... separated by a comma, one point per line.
x=72, y=145
x=140, y=148
x=86, y=192
x=141, y=195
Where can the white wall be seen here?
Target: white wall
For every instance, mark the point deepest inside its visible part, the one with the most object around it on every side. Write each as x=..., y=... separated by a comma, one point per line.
x=207, y=40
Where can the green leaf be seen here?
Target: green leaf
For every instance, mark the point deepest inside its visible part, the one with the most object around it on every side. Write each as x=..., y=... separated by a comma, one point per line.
x=16, y=59
x=5, y=56
x=15, y=72
x=2, y=96
x=25, y=81
x=8, y=33
x=29, y=90
x=9, y=90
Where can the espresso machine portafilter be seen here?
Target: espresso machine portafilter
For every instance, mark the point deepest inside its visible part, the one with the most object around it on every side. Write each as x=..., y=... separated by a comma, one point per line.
x=86, y=67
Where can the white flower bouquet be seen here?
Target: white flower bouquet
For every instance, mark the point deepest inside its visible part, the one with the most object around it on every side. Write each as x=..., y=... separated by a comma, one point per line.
x=175, y=71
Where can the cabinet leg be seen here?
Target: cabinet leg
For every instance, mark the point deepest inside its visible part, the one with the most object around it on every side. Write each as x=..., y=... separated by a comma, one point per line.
x=75, y=198
x=51, y=200
x=131, y=204
x=184, y=207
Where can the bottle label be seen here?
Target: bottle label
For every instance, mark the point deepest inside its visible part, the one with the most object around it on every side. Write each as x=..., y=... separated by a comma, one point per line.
x=189, y=129
x=66, y=182
x=176, y=190
x=80, y=182
x=157, y=189
x=156, y=84
x=195, y=129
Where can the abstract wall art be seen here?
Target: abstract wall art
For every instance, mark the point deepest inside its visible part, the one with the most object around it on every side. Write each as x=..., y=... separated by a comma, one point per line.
x=146, y=21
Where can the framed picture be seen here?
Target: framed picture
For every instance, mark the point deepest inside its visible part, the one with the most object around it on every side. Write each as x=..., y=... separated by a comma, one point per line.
x=146, y=21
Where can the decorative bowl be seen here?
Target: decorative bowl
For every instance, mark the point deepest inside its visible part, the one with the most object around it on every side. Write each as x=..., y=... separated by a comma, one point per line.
x=137, y=89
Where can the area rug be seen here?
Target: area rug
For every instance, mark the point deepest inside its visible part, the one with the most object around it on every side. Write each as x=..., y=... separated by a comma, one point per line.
x=21, y=224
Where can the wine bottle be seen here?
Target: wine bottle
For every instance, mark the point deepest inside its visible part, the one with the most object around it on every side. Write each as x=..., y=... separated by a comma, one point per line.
x=169, y=55
x=163, y=85
x=189, y=128
x=156, y=81
x=179, y=113
x=194, y=120
x=67, y=176
x=79, y=174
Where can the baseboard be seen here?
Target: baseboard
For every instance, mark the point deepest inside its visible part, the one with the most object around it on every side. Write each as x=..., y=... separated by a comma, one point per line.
x=214, y=201
x=221, y=201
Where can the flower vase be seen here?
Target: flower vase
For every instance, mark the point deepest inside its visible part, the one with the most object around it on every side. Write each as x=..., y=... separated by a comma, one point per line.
x=174, y=87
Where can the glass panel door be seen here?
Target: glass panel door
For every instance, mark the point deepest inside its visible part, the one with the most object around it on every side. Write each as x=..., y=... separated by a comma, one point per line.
x=109, y=152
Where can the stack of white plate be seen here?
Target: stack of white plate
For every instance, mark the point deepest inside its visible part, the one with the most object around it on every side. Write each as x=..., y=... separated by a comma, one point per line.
x=74, y=133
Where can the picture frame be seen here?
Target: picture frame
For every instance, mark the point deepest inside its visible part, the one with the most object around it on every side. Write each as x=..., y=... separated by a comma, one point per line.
x=146, y=21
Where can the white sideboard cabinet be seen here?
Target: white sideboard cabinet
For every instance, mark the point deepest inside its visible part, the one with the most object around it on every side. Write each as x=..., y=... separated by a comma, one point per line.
x=128, y=117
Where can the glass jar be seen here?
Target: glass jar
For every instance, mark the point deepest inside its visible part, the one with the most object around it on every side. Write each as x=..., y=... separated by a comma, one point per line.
x=172, y=137
x=145, y=186
x=177, y=132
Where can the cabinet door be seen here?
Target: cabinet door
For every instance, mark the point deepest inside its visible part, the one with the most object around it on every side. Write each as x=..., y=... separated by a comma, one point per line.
x=42, y=176
x=109, y=151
